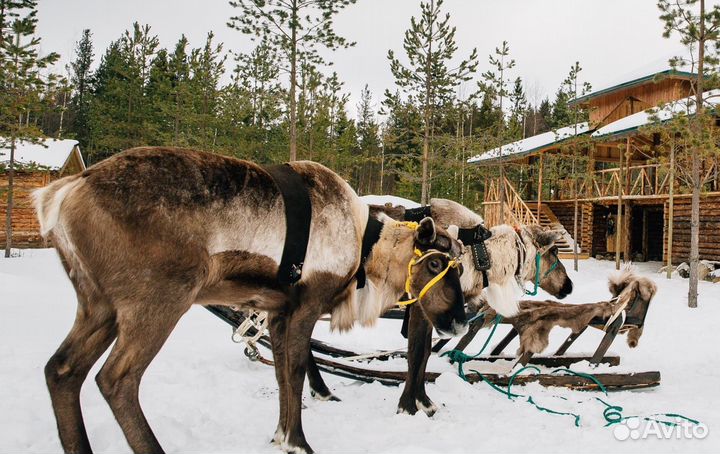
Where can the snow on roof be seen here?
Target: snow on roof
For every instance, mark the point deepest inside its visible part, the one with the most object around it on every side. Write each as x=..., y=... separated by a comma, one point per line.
x=639, y=119
x=531, y=144
x=51, y=153
x=383, y=199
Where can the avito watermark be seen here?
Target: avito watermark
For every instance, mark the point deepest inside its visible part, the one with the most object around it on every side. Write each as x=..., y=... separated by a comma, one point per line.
x=641, y=429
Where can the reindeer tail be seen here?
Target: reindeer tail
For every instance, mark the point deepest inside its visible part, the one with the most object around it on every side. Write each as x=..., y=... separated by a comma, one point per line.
x=48, y=201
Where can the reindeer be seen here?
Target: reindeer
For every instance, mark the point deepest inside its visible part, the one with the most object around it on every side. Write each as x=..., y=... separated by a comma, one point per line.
x=514, y=253
x=149, y=232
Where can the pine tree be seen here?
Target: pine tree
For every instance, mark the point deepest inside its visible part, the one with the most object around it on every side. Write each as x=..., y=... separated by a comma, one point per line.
x=21, y=86
x=699, y=31
x=296, y=28
x=518, y=111
x=495, y=83
x=370, y=155
x=430, y=45
x=81, y=76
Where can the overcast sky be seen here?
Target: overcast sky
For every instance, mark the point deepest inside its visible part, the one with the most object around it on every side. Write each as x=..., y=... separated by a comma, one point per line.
x=610, y=38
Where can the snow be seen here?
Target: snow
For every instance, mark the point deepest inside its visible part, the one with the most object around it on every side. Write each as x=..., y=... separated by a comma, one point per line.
x=532, y=143
x=383, y=199
x=634, y=121
x=202, y=395
x=52, y=153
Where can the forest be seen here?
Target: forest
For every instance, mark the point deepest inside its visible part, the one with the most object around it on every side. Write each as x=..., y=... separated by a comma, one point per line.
x=282, y=100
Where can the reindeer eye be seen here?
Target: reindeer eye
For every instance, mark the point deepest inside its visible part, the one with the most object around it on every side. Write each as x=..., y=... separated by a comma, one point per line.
x=435, y=266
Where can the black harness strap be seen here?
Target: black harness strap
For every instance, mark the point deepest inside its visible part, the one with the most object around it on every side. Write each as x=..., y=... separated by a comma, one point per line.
x=417, y=214
x=370, y=237
x=475, y=238
x=298, y=215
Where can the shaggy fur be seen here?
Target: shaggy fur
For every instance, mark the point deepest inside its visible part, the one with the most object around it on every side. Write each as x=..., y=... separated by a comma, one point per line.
x=536, y=319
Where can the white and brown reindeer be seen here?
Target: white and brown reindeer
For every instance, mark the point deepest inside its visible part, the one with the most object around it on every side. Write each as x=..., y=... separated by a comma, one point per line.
x=149, y=232
x=513, y=252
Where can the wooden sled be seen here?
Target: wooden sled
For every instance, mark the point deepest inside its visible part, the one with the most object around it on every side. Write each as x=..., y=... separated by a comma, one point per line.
x=330, y=359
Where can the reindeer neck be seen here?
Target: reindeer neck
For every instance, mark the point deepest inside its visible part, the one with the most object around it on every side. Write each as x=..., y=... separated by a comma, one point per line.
x=527, y=255
x=387, y=264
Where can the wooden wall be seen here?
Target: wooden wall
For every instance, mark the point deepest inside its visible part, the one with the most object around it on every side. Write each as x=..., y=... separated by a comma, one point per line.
x=614, y=106
x=709, y=229
x=26, y=230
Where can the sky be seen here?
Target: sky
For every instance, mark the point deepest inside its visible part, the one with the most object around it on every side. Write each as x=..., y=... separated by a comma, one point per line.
x=612, y=39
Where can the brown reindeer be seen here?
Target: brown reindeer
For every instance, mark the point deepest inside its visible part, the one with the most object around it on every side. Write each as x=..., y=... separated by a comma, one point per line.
x=513, y=253
x=149, y=232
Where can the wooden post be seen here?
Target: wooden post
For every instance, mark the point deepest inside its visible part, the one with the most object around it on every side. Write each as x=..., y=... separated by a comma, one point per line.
x=539, y=187
x=627, y=232
x=619, y=224
x=671, y=208
x=501, y=188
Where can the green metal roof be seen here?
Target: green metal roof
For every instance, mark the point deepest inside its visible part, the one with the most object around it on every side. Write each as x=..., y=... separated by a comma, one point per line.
x=635, y=82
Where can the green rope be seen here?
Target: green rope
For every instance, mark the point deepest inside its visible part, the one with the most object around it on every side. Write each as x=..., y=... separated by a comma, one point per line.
x=611, y=413
x=460, y=357
x=510, y=395
x=512, y=378
x=538, y=258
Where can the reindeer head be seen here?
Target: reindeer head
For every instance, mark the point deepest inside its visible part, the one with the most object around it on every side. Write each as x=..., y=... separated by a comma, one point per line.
x=552, y=274
x=634, y=293
x=434, y=278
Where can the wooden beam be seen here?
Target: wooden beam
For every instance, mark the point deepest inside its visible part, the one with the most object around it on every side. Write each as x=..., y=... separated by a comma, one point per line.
x=540, y=178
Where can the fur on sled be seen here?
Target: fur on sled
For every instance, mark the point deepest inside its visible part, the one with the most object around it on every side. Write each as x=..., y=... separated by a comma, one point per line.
x=536, y=319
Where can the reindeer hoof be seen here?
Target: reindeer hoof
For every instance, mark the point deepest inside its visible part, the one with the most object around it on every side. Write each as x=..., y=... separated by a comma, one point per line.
x=325, y=397
x=278, y=438
x=405, y=408
x=427, y=406
x=302, y=448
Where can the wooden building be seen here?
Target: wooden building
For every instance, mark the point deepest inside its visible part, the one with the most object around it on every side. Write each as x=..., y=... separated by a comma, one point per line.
x=622, y=160
x=36, y=166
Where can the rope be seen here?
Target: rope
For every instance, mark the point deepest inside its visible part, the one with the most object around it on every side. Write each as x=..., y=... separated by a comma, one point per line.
x=612, y=413
x=460, y=357
x=538, y=258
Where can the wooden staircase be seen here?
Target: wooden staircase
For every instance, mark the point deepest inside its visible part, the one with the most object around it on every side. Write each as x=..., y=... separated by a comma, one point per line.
x=547, y=218
x=520, y=213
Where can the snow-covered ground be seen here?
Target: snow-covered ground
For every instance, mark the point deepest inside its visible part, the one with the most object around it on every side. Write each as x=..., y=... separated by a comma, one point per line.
x=202, y=395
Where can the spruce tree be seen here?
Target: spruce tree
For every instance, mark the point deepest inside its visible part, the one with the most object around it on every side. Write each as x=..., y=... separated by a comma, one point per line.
x=81, y=76
x=22, y=85
x=370, y=164
x=430, y=46
x=296, y=28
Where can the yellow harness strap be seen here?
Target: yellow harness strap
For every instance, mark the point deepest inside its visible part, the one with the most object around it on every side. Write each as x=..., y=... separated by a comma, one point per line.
x=416, y=260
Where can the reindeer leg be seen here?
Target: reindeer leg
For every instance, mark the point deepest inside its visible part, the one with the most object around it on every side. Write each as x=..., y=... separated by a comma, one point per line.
x=419, y=332
x=318, y=388
x=65, y=372
x=300, y=328
x=277, y=326
x=422, y=400
x=142, y=331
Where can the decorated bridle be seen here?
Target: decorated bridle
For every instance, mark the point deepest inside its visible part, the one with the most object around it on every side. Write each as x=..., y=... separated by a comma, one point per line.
x=419, y=257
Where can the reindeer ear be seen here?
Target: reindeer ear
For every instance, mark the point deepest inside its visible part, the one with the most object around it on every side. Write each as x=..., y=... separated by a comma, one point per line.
x=425, y=233
x=546, y=237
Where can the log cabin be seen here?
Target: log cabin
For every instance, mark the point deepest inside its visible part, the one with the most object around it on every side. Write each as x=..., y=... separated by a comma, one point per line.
x=624, y=201
x=36, y=165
